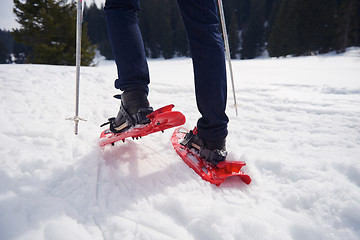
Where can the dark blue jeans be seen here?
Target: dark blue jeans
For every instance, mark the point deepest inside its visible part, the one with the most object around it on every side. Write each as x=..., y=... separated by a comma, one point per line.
x=207, y=51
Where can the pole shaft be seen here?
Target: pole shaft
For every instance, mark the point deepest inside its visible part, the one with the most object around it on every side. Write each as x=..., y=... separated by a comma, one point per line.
x=227, y=50
x=78, y=60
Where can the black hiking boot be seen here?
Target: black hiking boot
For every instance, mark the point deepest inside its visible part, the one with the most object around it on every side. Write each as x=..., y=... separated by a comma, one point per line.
x=133, y=110
x=212, y=151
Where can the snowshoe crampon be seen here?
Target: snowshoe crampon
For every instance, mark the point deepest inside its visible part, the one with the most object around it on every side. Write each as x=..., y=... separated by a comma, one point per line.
x=207, y=171
x=160, y=120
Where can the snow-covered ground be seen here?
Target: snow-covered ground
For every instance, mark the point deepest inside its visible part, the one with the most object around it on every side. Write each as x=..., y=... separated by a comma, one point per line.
x=298, y=129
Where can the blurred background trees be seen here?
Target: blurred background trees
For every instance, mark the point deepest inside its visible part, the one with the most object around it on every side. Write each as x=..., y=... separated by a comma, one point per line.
x=255, y=27
x=48, y=29
x=279, y=27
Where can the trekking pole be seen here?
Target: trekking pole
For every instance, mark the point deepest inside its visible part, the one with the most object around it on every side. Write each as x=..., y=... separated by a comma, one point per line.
x=76, y=118
x=227, y=50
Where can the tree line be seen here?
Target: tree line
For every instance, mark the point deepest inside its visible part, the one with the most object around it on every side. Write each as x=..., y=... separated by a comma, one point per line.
x=276, y=27
x=47, y=34
x=280, y=27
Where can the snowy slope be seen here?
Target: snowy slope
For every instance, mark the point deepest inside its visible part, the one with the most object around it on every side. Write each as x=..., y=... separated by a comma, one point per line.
x=298, y=130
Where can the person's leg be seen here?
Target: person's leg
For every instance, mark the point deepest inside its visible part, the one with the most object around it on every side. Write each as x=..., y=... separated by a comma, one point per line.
x=127, y=45
x=129, y=54
x=207, y=50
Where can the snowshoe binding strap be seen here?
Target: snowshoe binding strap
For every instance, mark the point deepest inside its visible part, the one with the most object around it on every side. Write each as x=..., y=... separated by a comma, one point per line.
x=117, y=96
x=110, y=120
x=128, y=120
x=192, y=140
x=214, y=156
x=187, y=139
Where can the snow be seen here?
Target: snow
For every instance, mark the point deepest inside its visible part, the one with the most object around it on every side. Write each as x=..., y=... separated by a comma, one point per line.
x=298, y=129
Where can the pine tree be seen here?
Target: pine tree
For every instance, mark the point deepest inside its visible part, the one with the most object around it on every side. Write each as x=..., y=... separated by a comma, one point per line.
x=95, y=19
x=48, y=27
x=253, y=36
x=156, y=27
x=311, y=27
x=234, y=40
x=347, y=29
x=165, y=35
x=7, y=39
x=181, y=46
x=283, y=37
x=3, y=53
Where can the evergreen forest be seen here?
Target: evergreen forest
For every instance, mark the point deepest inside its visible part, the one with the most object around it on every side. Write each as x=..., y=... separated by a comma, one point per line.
x=280, y=27
x=275, y=27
